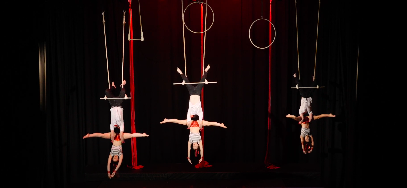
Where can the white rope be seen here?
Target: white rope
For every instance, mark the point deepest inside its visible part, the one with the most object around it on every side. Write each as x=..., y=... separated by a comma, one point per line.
x=124, y=22
x=183, y=35
x=298, y=52
x=107, y=61
x=141, y=26
x=183, y=31
x=316, y=41
x=203, y=59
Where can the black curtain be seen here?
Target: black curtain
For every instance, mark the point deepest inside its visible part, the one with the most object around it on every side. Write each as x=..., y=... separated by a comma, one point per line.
x=76, y=77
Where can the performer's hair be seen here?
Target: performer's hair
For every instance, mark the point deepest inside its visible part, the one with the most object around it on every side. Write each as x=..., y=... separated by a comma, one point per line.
x=195, y=117
x=307, y=145
x=117, y=130
x=197, y=150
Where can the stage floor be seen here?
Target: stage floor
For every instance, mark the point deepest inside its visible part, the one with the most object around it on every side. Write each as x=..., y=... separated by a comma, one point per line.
x=219, y=175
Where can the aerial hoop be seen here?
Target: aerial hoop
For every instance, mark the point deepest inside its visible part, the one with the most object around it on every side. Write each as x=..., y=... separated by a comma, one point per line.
x=296, y=86
x=273, y=37
x=213, y=17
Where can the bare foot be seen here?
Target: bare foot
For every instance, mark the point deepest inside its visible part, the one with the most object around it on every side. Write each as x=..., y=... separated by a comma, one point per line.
x=179, y=70
x=86, y=136
x=207, y=68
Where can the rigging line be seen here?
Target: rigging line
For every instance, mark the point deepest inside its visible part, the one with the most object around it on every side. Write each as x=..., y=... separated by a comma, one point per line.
x=204, y=51
x=296, y=26
x=316, y=42
x=124, y=22
x=107, y=61
x=183, y=37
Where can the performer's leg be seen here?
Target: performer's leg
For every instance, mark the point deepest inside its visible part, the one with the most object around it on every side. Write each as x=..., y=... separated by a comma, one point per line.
x=189, y=86
x=200, y=85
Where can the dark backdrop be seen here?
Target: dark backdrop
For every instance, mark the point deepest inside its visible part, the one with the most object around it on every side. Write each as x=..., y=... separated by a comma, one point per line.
x=77, y=77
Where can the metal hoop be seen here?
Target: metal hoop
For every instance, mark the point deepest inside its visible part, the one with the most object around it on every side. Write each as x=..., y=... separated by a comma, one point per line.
x=213, y=17
x=275, y=33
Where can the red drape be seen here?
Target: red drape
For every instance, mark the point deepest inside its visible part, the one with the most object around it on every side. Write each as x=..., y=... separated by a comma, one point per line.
x=267, y=159
x=133, y=115
x=203, y=163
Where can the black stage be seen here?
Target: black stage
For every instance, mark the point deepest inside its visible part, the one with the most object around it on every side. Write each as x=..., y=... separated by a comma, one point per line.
x=219, y=175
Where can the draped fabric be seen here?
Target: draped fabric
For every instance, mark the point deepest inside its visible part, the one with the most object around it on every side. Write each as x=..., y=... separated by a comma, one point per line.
x=134, y=163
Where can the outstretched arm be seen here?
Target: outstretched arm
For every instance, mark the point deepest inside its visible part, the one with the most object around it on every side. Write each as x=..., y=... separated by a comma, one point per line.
x=296, y=118
x=118, y=165
x=209, y=123
x=133, y=135
x=189, y=152
x=323, y=115
x=182, y=122
x=108, y=165
x=99, y=135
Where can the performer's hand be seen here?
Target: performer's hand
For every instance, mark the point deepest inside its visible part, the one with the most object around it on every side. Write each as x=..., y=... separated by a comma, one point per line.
x=165, y=121
x=200, y=160
x=223, y=125
x=207, y=68
x=183, y=82
x=310, y=150
x=114, y=173
x=179, y=70
x=189, y=160
x=206, y=81
x=295, y=75
x=124, y=82
x=125, y=96
x=113, y=85
x=108, y=175
x=304, y=151
x=105, y=97
x=313, y=78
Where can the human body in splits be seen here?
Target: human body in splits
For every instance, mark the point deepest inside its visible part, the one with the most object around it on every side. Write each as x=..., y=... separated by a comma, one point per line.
x=195, y=107
x=116, y=153
x=116, y=110
x=194, y=134
x=307, y=141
